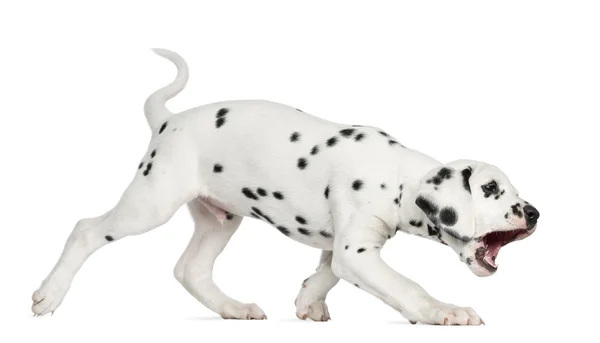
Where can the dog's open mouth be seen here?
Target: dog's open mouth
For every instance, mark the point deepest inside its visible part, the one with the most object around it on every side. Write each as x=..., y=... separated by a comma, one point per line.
x=492, y=242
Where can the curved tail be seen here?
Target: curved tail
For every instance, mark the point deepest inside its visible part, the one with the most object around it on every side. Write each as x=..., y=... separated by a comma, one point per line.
x=155, y=107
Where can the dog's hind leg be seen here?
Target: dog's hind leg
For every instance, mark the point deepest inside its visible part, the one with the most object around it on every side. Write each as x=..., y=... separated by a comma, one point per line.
x=151, y=199
x=310, y=302
x=194, y=268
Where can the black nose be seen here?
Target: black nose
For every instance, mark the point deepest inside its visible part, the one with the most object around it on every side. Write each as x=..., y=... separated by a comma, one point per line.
x=531, y=214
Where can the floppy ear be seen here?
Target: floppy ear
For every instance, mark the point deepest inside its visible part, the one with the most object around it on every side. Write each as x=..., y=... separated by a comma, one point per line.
x=444, y=196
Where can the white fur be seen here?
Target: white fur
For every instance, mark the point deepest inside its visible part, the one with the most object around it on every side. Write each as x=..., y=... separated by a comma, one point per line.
x=254, y=148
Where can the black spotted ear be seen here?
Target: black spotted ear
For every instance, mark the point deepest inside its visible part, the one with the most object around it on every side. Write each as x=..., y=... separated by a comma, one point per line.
x=443, y=199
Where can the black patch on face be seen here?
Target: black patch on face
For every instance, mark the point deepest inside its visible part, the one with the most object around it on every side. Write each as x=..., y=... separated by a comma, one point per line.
x=327, y=192
x=217, y=168
x=416, y=223
x=261, y=192
x=499, y=195
x=148, y=168
x=222, y=112
x=163, y=127
x=383, y=186
x=109, y=238
x=426, y=206
x=332, y=141
x=304, y=231
x=347, y=132
x=295, y=137
x=141, y=165
x=359, y=137
x=278, y=195
x=490, y=188
x=357, y=185
x=325, y=234
x=153, y=153
x=249, y=194
x=302, y=163
x=314, y=150
x=383, y=134
x=283, y=230
x=220, y=122
x=229, y=216
x=443, y=174
x=360, y=250
x=466, y=175
x=448, y=216
x=517, y=211
x=300, y=220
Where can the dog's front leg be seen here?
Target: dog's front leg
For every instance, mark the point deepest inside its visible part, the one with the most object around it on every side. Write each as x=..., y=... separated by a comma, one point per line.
x=356, y=259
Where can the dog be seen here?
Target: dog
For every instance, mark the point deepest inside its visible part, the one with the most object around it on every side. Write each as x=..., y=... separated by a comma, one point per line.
x=344, y=189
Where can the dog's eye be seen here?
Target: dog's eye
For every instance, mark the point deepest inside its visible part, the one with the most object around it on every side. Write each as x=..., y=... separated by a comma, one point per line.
x=490, y=187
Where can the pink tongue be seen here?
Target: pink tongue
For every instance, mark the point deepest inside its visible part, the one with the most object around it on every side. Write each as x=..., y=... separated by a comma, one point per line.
x=490, y=254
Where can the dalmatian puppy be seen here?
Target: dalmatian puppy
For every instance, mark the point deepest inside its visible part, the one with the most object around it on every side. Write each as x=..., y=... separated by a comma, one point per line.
x=344, y=189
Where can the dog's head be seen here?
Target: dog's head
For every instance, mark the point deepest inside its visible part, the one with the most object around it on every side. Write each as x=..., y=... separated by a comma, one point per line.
x=476, y=210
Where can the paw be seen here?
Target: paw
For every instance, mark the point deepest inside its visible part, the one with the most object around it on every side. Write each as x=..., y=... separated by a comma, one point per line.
x=317, y=311
x=448, y=314
x=47, y=299
x=242, y=311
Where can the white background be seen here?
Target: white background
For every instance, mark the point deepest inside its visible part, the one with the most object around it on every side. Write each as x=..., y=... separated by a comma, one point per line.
x=512, y=83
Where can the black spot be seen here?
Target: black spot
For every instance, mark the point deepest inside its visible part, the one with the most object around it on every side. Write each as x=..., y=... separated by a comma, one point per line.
x=383, y=134
x=325, y=234
x=220, y=122
x=141, y=165
x=347, y=132
x=448, y=216
x=302, y=163
x=278, y=195
x=248, y=193
x=162, y=128
x=397, y=201
x=109, y=238
x=300, y=220
x=426, y=206
x=490, y=188
x=499, y=195
x=356, y=285
x=261, y=192
x=332, y=141
x=383, y=186
x=392, y=142
x=360, y=250
x=314, y=150
x=222, y=112
x=327, y=192
x=359, y=137
x=217, y=168
x=516, y=211
x=267, y=218
x=466, y=175
x=401, y=187
x=445, y=173
x=299, y=110
x=148, y=168
x=283, y=230
x=506, y=215
x=469, y=261
x=257, y=211
x=304, y=231
x=229, y=216
x=357, y=185
x=295, y=137
x=416, y=223
x=254, y=215
x=153, y=153
x=347, y=246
